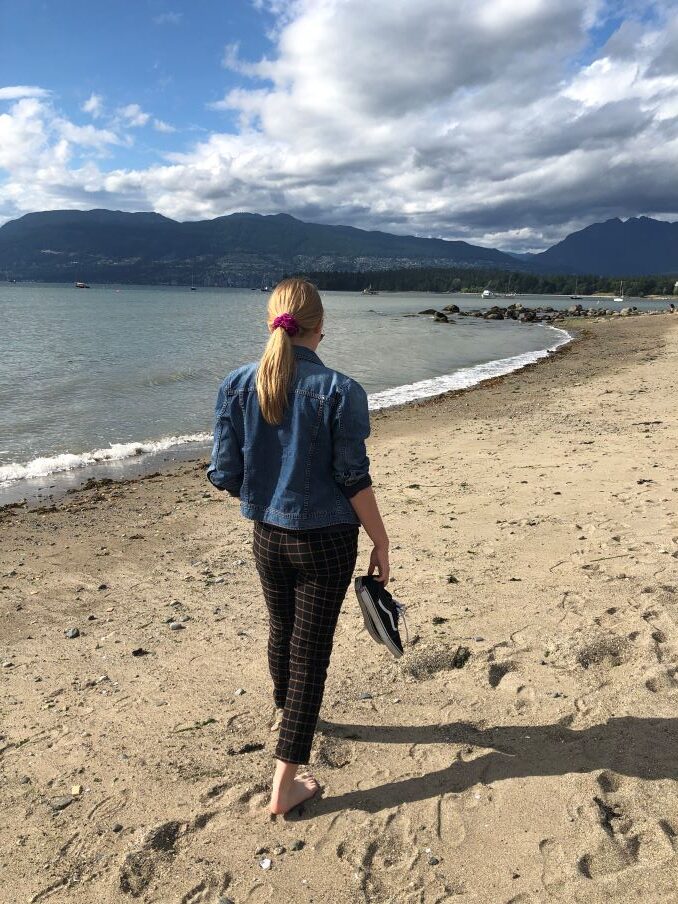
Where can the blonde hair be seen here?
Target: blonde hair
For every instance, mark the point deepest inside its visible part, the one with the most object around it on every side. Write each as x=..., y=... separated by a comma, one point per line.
x=300, y=298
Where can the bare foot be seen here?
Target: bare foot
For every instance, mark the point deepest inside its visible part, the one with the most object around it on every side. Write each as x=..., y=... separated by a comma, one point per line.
x=277, y=719
x=288, y=796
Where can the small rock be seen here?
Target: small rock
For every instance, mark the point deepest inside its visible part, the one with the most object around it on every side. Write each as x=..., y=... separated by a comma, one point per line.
x=71, y=633
x=24, y=780
x=279, y=850
x=117, y=827
x=91, y=618
x=60, y=803
x=76, y=790
x=297, y=845
x=102, y=587
x=365, y=696
x=7, y=664
x=439, y=620
x=433, y=861
x=452, y=579
x=239, y=691
x=266, y=863
x=176, y=626
x=261, y=850
x=140, y=652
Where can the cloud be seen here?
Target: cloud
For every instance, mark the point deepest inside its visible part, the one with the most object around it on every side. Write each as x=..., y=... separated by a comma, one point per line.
x=133, y=115
x=498, y=121
x=16, y=92
x=93, y=105
x=168, y=18
x=161, y=126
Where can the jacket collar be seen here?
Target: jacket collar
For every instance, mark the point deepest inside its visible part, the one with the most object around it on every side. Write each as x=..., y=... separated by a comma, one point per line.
x=300, y=351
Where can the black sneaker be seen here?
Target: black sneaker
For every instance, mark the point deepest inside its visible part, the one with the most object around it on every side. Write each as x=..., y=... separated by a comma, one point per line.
x=381, y=613
x=365, y=608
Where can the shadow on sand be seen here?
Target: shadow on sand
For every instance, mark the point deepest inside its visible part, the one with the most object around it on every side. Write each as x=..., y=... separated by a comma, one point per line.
x=642, y=748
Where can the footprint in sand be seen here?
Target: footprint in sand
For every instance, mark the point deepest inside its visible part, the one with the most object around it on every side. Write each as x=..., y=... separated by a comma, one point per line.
x=209, y=891
x=557, y=870
x=449, y=826
x=383, y=853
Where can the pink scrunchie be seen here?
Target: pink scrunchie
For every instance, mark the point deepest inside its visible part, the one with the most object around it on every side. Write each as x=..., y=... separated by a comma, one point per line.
x=288, y=322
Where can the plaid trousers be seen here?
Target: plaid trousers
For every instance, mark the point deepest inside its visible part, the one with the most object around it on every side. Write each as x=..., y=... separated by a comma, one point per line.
x=304, y=576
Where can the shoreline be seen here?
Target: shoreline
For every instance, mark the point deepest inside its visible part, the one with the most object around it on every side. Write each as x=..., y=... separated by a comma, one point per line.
x=532, y=521
x=134, y=460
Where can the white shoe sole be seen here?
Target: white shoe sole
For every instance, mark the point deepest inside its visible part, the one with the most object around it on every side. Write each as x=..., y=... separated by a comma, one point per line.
x=369, y=609
x=367, y=618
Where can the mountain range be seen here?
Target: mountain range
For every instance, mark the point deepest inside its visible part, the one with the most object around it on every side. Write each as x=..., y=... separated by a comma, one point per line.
x=246, y=248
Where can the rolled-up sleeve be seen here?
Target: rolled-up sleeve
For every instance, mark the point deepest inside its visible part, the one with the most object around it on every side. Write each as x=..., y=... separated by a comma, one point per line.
x=350, y=429
x=226, y=467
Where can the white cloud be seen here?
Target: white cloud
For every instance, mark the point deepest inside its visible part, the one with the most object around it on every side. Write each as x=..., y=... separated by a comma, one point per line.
x=462, y=118
x=133, y=115
x=169, y=18
x=161, y=126
x=93, y=105
x=16, y=92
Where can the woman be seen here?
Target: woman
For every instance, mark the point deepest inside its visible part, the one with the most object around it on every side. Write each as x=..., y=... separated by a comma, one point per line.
x=289, y=442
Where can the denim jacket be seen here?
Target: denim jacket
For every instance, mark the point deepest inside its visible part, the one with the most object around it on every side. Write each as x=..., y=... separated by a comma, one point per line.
x=302, y=473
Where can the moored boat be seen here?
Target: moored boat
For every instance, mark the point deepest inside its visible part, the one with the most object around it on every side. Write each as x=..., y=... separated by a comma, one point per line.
x=620, y=298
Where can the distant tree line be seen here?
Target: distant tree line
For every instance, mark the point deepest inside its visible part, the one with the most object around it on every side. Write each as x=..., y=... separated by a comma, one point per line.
x=462, y=279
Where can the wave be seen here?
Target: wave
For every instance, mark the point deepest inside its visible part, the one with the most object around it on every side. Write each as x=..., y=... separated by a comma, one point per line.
x=462, y=379
x=399, y=395
x=67, y=461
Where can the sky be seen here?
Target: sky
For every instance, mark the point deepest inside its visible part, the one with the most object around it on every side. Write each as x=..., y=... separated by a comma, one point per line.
x=506, y=123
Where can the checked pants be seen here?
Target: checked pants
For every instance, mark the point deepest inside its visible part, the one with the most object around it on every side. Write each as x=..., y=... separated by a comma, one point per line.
x=304, y=576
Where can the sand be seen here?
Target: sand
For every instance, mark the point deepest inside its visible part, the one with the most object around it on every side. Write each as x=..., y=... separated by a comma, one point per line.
x=533, y=521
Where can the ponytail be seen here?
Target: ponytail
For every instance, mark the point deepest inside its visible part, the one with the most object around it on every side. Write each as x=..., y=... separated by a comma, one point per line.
x=299, y=299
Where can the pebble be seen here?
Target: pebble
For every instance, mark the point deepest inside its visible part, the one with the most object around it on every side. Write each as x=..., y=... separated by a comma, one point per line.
x=366, y=696
x=261, y=850
x=117, y=827
x=239, y=691
x=71, y=633
x=266, y=863
x=24, y=780
x=7, y=665
x=279, y=850
x=297, y=845
x=176, y=626
x=76, y=790
x=60, y=803
x=102, y=587
x=433, y=861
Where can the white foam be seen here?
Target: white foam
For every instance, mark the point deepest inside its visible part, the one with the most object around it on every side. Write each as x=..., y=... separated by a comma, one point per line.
x=67, y=461
x=463, y=378
x=399, y=395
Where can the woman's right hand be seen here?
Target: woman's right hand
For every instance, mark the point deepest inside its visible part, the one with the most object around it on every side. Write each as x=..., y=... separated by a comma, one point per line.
x=379, y=561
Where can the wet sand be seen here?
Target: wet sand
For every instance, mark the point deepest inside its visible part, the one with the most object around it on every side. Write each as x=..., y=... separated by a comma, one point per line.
x=533, y=521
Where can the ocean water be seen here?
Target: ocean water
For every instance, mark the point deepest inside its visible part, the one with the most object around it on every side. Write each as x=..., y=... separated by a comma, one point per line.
x=105, y=375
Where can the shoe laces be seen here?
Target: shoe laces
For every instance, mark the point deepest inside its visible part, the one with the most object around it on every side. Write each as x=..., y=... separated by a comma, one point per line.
x=401, y=609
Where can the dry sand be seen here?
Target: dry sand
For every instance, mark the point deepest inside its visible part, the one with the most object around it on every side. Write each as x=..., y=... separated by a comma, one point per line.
x=533, y=520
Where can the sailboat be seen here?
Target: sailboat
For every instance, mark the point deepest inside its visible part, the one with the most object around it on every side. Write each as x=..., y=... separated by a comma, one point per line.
x=508, y=293
x=370, y=291
x=620, y=297
x=264, y=287
x=575, y=297
x=193, y=285
x=487, y=293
